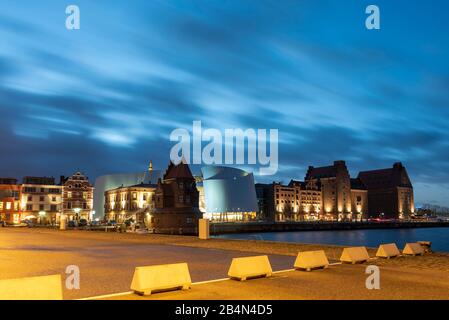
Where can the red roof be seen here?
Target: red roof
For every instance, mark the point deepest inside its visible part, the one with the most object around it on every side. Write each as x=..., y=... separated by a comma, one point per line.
x=181, y=170
x=386, y=178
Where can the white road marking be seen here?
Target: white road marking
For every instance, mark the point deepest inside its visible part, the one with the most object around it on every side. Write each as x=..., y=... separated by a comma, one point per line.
x=210, y=281
x=280, y=271
x=108, y=295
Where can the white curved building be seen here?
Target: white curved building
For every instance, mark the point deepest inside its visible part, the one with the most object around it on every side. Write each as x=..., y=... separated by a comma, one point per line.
x=229, y=193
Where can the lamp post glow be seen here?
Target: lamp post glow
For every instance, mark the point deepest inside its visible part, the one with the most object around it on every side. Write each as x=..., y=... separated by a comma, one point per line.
x=77, y=212
x=42, y=215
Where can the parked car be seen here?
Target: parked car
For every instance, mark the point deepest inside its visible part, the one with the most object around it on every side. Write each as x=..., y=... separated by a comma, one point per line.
x=82, y=223
x=112, y=223
x=71, y=224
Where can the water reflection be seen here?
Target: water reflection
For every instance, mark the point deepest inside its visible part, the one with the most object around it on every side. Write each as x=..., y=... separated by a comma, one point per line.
x=369, y=238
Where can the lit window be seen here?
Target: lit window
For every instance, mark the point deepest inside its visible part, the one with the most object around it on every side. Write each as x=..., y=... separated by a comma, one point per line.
x=8, y=205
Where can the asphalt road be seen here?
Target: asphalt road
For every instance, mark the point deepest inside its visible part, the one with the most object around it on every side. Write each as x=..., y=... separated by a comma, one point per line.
x=106, y=266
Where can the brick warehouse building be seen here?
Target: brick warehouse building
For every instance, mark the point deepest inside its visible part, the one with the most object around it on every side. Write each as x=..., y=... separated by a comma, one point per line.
x=330, y=194
x=390, y=192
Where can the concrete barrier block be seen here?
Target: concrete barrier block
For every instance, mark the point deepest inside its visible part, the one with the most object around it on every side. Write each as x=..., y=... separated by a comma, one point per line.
x=426, y=245
x=388, y=251
x=309, y=260
x=32, y=288
x=148, y=279
x=354, y=255
x=413, y=249
x=249, y=267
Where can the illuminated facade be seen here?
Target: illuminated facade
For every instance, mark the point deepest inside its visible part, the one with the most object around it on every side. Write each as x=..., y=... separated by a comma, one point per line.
x=10, y=195
x=113, y=181
x=359, y=201
x=41, y=200
x=390, y=192
x=335, y=190
x=309, y=200
x=127, y=202
x=297, y=201
x=77, y=197
x=229, y=194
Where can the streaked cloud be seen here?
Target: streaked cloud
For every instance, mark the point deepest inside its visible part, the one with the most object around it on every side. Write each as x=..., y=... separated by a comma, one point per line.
x=106, y=97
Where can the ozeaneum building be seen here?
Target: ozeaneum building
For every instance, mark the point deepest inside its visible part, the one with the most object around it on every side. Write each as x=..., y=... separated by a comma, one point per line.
x=229, y=194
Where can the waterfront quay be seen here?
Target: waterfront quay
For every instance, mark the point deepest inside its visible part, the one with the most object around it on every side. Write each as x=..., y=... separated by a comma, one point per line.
x=226, y=228
x=107, y=262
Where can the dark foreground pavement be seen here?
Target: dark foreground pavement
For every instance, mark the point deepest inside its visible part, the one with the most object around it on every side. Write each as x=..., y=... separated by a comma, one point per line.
x=106, y=266
x=107, y=263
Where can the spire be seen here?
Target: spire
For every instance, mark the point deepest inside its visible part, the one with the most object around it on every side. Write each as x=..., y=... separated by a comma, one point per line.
x=150, y=168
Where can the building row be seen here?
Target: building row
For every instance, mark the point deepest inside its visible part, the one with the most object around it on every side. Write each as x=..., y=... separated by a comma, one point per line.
x=327, y=193
x=330, y=194
x=42, y=200
x=172, y=200
x=171, y=205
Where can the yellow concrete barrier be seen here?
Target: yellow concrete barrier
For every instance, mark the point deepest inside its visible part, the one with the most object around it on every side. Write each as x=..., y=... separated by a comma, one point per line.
x=413, y=249
x=146, y=280
x=249, y=267
x=354, y=255
x=388, y=251
x=32, y=288
x=309, y=260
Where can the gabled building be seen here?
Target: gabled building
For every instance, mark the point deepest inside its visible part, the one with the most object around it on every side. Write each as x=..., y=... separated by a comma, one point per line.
x=77, y=197
x=335, y=189
x=310, y=202
x=390, y=192
x=176, y=202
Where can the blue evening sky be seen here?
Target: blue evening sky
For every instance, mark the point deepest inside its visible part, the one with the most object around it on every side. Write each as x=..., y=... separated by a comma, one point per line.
x=105, y=98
